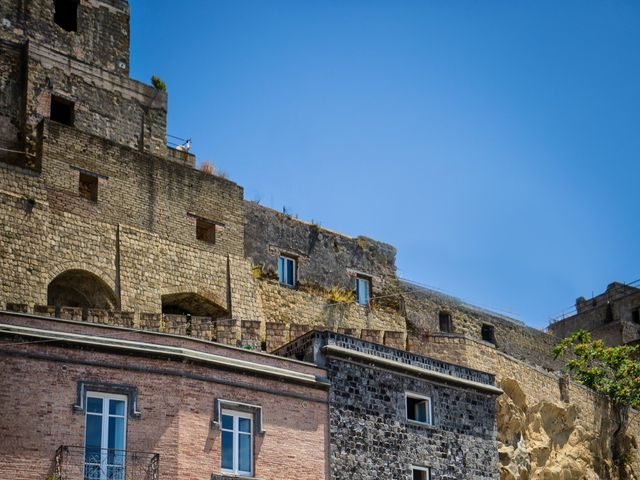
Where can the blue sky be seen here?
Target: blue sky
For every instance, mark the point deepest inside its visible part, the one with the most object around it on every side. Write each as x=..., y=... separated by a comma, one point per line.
x=494, y=143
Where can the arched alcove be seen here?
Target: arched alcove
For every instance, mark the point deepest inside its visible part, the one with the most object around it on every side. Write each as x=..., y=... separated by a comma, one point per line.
x=79, y=288
x=189, y=303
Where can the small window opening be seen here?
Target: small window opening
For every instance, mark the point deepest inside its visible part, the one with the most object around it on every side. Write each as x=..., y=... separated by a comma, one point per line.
x=66, y=14
x=419, y=473
x=608, y=316
x=363, y=290
x=205, y=230
x=419, y=409
x=489, y=333
x=635, y=316
x=88, y=187
x=287, y=271
x=61, y=110
x=446, y=325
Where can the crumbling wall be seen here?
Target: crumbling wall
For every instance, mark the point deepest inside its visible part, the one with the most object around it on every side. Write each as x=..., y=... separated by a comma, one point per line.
x=11, y=100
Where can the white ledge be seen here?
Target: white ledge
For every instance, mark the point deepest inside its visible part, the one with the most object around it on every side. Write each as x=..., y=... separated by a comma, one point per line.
x=177, y=352
x=392, y=364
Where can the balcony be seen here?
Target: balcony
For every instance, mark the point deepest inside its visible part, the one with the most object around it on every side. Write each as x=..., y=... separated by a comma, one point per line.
x=78, y=463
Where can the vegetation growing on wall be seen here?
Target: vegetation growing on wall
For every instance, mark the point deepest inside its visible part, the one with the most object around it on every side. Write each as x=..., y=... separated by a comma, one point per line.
x=613, y=372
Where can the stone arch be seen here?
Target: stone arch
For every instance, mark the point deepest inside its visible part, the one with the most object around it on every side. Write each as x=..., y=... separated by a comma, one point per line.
x=176, y=300
x=80, y=288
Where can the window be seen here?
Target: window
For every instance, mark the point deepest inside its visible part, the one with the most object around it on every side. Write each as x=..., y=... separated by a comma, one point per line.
x=635, y=315
x=61, y=110
x=88, y=186
x=105, y=435
x=446, y=325
x=287, y=271
x=237, y=442
x=488, y=333
x=66, y=14
x=363, y=290
x=205, y=230
x=418, y=409
x=420, y=473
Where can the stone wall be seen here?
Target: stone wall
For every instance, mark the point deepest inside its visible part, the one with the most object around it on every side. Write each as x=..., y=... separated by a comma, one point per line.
x=370, y=436
x=549, y=428
x=12, y=100
x=423, y=307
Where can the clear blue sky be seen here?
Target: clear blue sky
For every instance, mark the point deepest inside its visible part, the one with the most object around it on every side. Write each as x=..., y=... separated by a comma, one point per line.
x=494, y=143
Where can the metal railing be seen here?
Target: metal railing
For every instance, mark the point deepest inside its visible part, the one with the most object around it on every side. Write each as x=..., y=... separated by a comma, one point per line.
x=79, y=463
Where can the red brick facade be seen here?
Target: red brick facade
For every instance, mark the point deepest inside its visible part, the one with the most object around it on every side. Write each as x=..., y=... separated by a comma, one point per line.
x=175, y=397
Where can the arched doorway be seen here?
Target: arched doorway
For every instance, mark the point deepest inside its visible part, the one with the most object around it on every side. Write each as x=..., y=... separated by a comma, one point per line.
x=79, y=288
x=188, y=303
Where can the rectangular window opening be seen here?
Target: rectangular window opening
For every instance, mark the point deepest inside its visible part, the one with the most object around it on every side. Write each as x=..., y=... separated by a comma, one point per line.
x=287, y=271
x=61, y=110
x=635, y=316
x=88, y=187
x=446, y=325
x=237, y=442
x=419, y=409
x=363, y=290
x=66, y=14
x=488, y=333
x=205, y=230
x=105, y=436
x=420, y=473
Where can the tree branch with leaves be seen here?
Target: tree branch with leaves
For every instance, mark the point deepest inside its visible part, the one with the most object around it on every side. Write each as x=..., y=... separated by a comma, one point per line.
x=611, y=371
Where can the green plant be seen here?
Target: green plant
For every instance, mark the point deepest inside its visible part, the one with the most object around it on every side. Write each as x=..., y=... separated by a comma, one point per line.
x=610, y=371
x=158, y=83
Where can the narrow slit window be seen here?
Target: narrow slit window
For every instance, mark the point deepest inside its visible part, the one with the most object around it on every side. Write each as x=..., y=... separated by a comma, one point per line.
x=62, y=111
x=88, y=187
x=287, y=271
x=66, y=14
x=205, y=230
x=419, y=409
x=446, y=325
x=489, y=333
x=363, y=290
x=635, y=316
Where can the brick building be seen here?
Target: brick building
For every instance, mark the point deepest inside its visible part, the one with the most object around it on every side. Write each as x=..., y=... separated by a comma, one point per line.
x=394, y=414
x=84, y=401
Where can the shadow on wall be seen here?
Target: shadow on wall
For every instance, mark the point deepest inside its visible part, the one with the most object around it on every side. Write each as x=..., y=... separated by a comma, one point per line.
x=81, y=289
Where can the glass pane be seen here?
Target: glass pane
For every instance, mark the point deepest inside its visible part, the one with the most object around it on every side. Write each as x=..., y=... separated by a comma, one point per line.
x=281, y=270
x=115, y=473
x=94, y=405
x=244, y=425
x=116, y=433
x=227, y=422
x=116, y=407
x=94, y=431
x=421, y=411
x=244, y=454
x=227, y=450
x=290, y=265
x=92, y=472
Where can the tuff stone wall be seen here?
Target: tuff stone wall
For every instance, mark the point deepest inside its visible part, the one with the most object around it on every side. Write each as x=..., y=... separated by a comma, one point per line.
x=512, y=337
x=12, y=99
x=549, y=428
x=608, y=316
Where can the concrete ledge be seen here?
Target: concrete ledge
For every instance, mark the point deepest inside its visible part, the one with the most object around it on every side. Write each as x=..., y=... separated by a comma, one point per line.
x=332, y=350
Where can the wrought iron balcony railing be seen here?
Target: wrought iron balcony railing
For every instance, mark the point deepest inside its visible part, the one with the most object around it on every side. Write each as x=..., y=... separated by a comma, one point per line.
x=79, y=463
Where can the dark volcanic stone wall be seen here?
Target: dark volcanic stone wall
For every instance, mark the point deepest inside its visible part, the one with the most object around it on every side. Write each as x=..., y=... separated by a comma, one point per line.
x=371, y=438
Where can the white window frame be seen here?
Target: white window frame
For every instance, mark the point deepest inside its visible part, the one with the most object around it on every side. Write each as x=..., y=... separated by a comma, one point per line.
x=282, y=281
x=421, y=469
x=417, y=396
x=104, y=441
x=367, y=280
x=236, y=437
